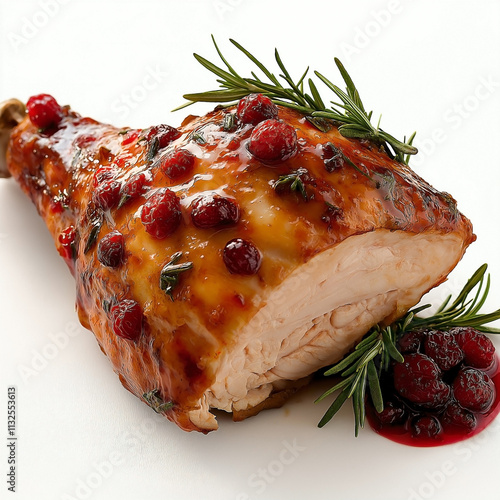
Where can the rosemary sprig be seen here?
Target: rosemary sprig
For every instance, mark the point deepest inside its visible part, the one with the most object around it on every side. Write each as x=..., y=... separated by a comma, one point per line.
x=359, y=368
x=350, y=113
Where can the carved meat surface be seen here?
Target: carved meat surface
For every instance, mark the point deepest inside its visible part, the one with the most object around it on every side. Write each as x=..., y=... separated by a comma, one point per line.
x=220, y=264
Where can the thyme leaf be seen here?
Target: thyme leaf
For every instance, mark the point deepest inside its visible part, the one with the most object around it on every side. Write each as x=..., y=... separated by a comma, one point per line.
x=293, y=181
x=198, y=135
x=96, y=224
x=169, y=276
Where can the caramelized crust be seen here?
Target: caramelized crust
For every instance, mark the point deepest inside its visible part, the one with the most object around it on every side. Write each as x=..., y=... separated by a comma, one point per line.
x=186, y=336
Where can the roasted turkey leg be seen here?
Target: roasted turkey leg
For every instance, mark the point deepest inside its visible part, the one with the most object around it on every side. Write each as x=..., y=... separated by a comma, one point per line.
x=216, y=273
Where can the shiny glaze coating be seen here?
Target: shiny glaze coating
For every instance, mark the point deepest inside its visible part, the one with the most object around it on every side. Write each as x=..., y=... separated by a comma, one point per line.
x=182, y=336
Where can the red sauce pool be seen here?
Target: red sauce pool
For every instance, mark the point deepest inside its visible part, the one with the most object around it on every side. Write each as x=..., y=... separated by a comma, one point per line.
x=402, y=433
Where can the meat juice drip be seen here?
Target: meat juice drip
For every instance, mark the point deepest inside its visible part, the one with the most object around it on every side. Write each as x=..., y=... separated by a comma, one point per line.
x=440, y=402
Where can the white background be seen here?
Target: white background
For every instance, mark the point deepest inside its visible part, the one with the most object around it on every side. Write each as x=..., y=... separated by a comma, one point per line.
x=430, y=66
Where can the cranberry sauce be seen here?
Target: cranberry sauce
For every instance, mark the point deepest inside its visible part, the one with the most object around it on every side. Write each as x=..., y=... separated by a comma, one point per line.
x=446, y=389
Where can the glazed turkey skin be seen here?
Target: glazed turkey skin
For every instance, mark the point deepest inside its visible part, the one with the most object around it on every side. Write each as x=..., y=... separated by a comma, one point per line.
x=360, y=244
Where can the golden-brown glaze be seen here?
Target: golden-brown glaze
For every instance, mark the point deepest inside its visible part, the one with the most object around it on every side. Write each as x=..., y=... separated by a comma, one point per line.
x=177, y=353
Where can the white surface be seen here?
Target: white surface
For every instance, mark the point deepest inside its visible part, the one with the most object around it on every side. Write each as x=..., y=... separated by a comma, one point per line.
x=424, y=64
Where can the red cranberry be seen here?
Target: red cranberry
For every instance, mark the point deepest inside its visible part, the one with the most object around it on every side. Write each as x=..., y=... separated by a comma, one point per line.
x=272, y=141
x=60, y=202
x=478, y=348
x=242, y=257
x=136, y=185
x=44, y=111
x=67, y=239
x=130, y=136
x=110, y=249
x=418, y=380
x=443, y=349
x=107, y=194
x=84, y=140
x=255, y=108
x=392, y=414
x=426, y=427
x=213, y=211
x=105, y=173
x=474, y=390
x=177, y=163
x=161, y=214
x=456, y=416
x=332, y=157
x=164, y=133
x=410, y=342
x=56, y=205
x=126, y=318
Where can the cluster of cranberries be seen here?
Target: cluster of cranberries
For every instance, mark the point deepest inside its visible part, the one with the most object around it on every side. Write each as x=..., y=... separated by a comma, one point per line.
x=441, y=389
x=109, y=190
x=271, y=141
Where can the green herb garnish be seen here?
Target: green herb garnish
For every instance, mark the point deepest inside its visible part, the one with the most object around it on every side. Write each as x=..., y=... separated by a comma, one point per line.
x=373, y=354
x=198, y=135
x=293, y=181
x=96, y=224
x=229, y=122
x=169, y=277
x=350, y=113
x=152, y=149
x=156, y=402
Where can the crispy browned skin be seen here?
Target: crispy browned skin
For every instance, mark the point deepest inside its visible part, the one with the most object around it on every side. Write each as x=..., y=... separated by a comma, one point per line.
x=173, y=355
